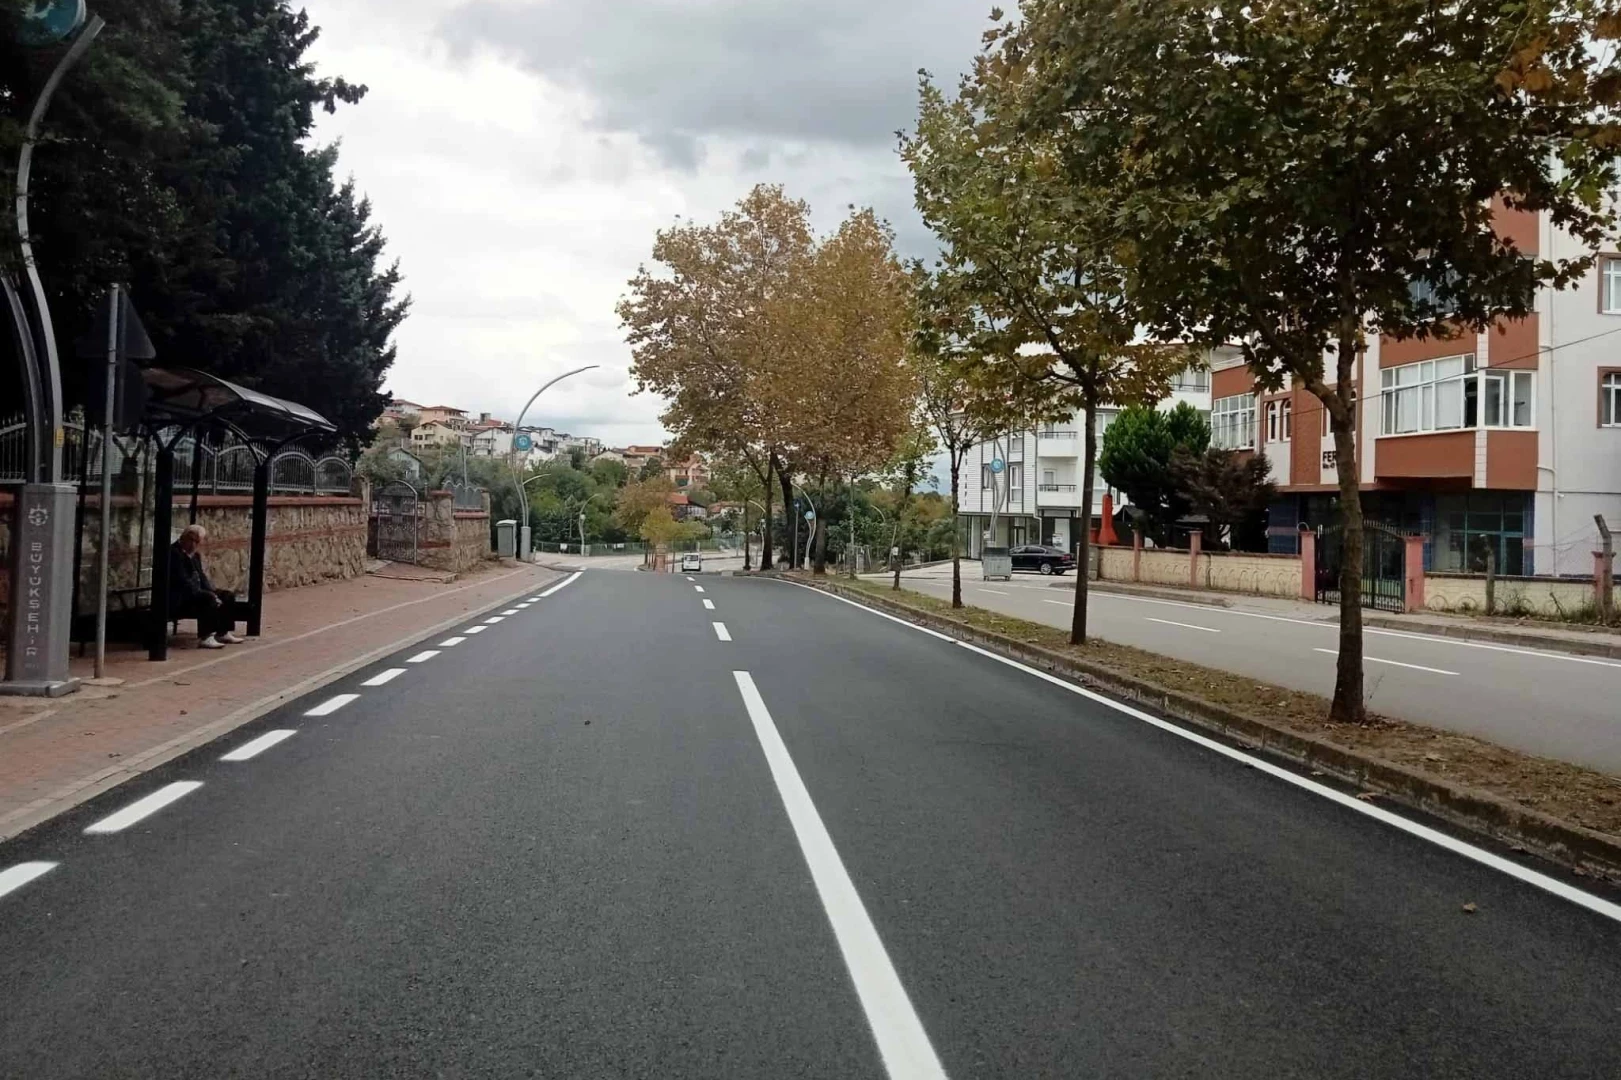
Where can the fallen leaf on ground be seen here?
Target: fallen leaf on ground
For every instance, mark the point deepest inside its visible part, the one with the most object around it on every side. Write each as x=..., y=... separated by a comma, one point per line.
x=1469, y=908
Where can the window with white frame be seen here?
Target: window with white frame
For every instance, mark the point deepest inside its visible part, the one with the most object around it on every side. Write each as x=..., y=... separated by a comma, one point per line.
x=1609, y=297
x=984, y=478
x=1450, y=393
x=1609, y=400
x=1273, y=408
x=1279, y=419
x=1192, y=378
x=1232, y=422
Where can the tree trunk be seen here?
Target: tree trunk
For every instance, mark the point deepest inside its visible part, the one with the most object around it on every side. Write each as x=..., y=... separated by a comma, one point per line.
x=956, y=534
x=765, y=539
x=819, y=564
x=908, y=479
x=850, y=512
x=790, y=518
x=1348, y=707
x=1083, y=560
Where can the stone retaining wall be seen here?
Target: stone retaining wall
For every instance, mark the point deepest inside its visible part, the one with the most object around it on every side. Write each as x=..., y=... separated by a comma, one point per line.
x=453, y=540
x=309, y=539
x=1221, y=571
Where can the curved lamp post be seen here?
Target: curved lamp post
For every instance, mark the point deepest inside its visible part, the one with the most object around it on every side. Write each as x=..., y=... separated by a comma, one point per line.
x=523, y=497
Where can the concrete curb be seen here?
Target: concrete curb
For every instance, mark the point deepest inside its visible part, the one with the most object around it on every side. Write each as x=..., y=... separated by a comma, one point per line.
x=1611, y=650
x=1592, y=853
x=86, y=788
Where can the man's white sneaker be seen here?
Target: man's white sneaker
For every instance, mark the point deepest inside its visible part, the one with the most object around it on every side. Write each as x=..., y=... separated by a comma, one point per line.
x=230, y=638
x=210, y=643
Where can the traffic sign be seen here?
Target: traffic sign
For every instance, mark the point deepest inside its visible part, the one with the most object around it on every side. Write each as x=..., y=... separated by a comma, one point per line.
x=46, y=22
x=996, y=465
x=522, y=443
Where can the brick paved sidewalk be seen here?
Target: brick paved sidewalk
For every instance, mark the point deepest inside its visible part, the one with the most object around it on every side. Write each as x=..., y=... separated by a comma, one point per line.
x=57, y=753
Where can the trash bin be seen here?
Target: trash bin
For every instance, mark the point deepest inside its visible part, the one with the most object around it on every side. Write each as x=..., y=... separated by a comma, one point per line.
x=996, y=562
x=506, y=538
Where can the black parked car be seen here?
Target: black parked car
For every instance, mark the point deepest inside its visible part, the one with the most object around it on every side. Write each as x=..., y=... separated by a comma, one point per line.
x=1042, y=559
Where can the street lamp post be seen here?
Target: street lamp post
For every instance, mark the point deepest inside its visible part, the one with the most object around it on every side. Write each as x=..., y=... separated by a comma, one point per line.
x=517, y=428
x=764, y=525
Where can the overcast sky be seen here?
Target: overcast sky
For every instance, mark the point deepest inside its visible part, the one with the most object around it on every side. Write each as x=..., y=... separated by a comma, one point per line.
x=520, y=154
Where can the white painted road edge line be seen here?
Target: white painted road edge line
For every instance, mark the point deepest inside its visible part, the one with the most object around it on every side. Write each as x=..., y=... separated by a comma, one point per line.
x=421, y=657
x=384, y=677
x=449, y=641
x=143, y=808
x=1469, y=851
x=709, y=605
x=475, y=629
x=258, y=746
x=13, y=878
x=721, y=631
x=875, y=611
x=332, y=704
x=565, y=583
x=1183, y=625
x=1366, y=659
x=902, y=1042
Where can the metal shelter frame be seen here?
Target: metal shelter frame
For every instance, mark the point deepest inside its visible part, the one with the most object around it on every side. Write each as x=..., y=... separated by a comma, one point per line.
x=184, y=399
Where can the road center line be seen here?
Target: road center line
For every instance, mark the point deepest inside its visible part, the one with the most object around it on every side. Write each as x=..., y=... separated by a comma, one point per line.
x=143, y=808
x=1597, y=905
x=449, y=641
x=332, y=704
x=709, y=605
x=258, y=746
x=383, y=677
x=423, y=656
x=1394, y=663
x=13, y=878
x=475, y=629
x=902, y=1042
x=1183, y=625
x=721, y=632
x=565, y=583
x=689, y=577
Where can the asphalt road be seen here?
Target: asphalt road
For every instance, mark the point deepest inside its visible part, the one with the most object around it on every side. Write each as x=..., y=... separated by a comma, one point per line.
x=1547, y=703
x=605, y=837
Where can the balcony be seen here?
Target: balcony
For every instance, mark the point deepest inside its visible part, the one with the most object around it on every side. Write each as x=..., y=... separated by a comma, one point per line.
x=1058, y=433
x=1064, y=496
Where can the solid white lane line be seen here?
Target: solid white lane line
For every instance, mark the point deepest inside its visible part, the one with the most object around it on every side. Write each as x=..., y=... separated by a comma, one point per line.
x=721, y=632
x=510, y=611
x=698, y=588
x=902, y=1042
x=143, y=808
x=565, y=583
x=383, y=677
x=1393, y=663
x=1592, y=903
x=332, y=704
x=13, y=878
x=258, y=746
x=493, y=619
x=424, y=655
x=449, y=641
x=709, y=605
x=475, y=629
x=1183, y=625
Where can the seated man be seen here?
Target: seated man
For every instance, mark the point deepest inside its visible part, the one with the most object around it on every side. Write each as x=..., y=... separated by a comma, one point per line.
x=193, y=596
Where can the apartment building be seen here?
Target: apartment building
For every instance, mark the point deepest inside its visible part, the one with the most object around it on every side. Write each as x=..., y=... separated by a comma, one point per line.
x=1038, y=492
x=444, y=414
x=1506, y=441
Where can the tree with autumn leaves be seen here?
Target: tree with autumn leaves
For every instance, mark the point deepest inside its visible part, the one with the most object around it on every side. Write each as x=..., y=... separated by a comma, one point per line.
x=775, y=347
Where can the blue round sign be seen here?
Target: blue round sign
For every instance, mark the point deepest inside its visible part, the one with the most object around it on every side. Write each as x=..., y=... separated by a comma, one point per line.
x=996, y=465
x=46, y=22
x=522, y=442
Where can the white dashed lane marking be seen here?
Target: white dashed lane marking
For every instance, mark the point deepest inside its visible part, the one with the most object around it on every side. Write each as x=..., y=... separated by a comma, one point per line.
x=709, y=604
x=510, y=611
x=493, y=619
x=698, y=588
x=144, y=808
x=425, y=654
x=475, y=629
x=721, y=632
x=13, y=878
x=258, y=746
x=1184, y=625
x=449, y=641
x=383, y=677
x=332, y=704
x=1392, y=663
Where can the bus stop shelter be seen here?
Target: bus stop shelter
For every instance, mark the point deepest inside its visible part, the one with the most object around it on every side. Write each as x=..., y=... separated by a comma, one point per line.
x=182, y=402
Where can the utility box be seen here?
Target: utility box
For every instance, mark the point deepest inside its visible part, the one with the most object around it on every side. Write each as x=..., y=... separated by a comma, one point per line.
x=506, y=538
x=996, y=563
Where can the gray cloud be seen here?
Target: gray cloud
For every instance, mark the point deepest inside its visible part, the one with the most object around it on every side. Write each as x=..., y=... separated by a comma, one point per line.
x=841, y=71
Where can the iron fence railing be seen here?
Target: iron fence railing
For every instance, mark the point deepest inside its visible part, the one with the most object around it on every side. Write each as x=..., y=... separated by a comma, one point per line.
x=223, y=469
